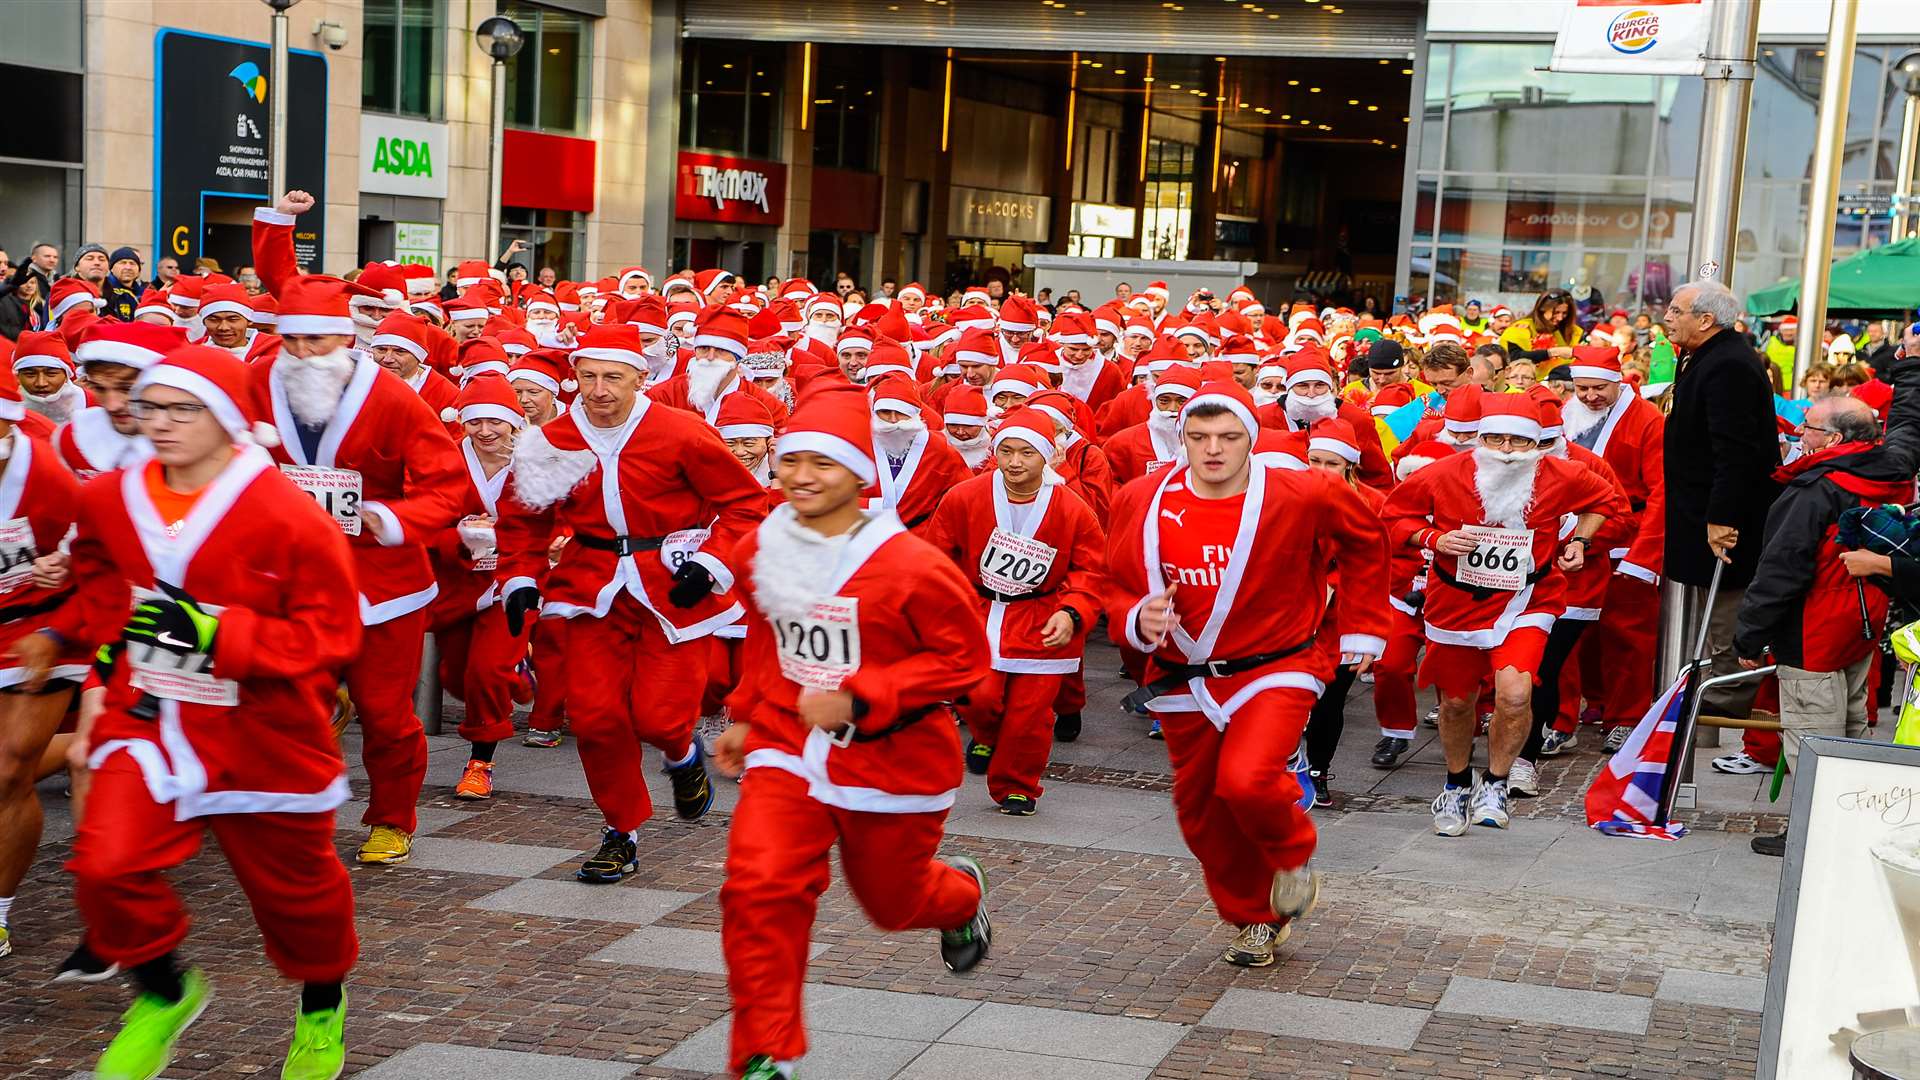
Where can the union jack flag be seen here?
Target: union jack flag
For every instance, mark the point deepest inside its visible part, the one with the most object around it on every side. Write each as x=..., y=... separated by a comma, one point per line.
x=1625, y=798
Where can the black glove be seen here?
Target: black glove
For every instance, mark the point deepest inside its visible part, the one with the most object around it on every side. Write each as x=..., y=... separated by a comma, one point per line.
x=173, y=622
x=520, y=601
x=691, y=582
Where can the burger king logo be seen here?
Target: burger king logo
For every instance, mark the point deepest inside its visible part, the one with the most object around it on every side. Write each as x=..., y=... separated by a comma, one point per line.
x=1633, y=31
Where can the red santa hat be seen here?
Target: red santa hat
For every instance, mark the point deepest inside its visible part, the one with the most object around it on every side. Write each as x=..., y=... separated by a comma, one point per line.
x=634, y=272
x=266, y=312
x=547, y=368
x=722, y=329
x=1140, y=326
x=1029, y=425
x=541, y=300
x=318, y=304
x=1182, y=380
x=461, y=309
x=471, y=272
x=824, y=302
x=516, y=341
x=77, y=325
x=976, y=294
x=1310, y=365
x=479, y=356
x=403, y=331
x=1462, y=414
x=1422, y=455
x=854, y=337
x=1509, y=414
x=184, y=292
x=486, y=397
x=1390, y=398
x=1041, y=354
x=618, y=343
x=1074, y=328
x=135, y=345
x=219, y=380
x=1595, y=362
x=798, y=290
x=766, y=360
x=1057, y=404
x=895, y=393
x=42, y=349
x=1200, y=328
x=912, y=288
x=1156, y=288
x=567, y=295
x=744, y=416
x=888, y=358
x=834, y=420
x=1227, y=394
x=708, y=281
x=1239, y=349
x=1018, y=315
x=1023, y=379
x=70, y=293
x=1552, y=425
x=1335, y=436
x=965, y=406
x=153, y=302
x=1789, y=321
x=420, y=280
x=648, y=313
x=387, y=285
x=228, y=300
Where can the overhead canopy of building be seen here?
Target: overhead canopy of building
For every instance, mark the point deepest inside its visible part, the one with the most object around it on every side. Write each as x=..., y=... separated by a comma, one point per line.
x=1346, y=29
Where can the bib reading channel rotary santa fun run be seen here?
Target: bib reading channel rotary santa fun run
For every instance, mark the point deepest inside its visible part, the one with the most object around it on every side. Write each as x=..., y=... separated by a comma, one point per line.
x=178, y=674
x=1501, y=558
x=336, y=490
x=16, y=554
x=821, y=649
x=677, y=547
x=1014, y=565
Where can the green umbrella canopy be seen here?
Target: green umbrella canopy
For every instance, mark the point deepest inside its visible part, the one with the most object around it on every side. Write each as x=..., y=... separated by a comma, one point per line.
x=1884, y=280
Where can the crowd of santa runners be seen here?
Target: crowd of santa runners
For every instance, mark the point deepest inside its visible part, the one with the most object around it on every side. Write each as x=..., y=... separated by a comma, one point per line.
x=873, y=538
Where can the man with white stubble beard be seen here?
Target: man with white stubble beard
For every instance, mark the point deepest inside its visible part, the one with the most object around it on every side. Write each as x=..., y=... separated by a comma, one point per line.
x=1309, y=396
x=917, y=469
x=714, y=371
x=1491, y=519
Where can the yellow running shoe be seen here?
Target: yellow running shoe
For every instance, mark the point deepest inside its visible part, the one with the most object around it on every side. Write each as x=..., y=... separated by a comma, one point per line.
x=386, y=845
x=476, y=782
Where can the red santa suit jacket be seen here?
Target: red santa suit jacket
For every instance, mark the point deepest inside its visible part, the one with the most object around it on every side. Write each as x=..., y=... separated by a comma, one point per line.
x=436, y=390
x=978, y=515
x=1374, y=469
x=1095, y=382
x=466, y=580
x=1632, y=440
x=1586, y=588
x=1127, y=408
x=1138, y=452
x=258, y=547
x=89, y=445
x=664, y=480
x=915, y=641
x=932, y=468
x=258, y=346
x=673, y=393
x=410, y=477
x=38, y=501
x=1089, y=474
x=1443, y=496
x=1271, y=592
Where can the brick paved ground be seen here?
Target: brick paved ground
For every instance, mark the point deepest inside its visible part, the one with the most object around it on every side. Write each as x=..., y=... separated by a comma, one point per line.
x=1543, y=951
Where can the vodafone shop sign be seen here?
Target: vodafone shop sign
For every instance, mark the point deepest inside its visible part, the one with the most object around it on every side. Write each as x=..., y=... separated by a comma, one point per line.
x=714, y=187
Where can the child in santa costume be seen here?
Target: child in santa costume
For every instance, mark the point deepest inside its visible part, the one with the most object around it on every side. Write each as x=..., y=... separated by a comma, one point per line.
x=1218, y=570
x=859, y=635
x=1033, y=550
x=219, y=691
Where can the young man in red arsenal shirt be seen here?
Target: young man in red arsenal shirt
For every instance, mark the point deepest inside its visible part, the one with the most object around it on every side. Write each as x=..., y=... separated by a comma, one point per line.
x=1492, y=519
x=1033, y=549
x=1218, y=571
x=859, y=636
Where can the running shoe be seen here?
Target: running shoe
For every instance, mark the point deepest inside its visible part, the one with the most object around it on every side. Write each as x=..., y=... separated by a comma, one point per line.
x=1018, y=806
x=476, y=782
x=1255, y=945
x=1294, y=893
x=964, y=948
x=1617, y=737
x=1154, y=731
x=1557, y=742
x=1590, y=715
x=762, y=1067
x=385, y=846
x=318, y=1051
x=692, y=790
x=148, y=1030
x=84, y=966
x=541, y=737
x=1523, y=780
x=1450, y=811
x=6, y=942
x=1489, y=805
x=1432, y=719
x=1739, y=763
x=1322, y=794
x=979, y=757
x=1388, y=751
x=1066, y=727
x=1772, y=845
x=615, y=859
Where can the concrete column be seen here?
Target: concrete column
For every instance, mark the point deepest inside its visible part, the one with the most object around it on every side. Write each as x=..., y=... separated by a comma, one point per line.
x=933, y=252
x=660, y=169
x=1205, y=199
x=1134, y=133
x=796, y=150
x=1060, y=185
x=893, y=170
x=1274, y=160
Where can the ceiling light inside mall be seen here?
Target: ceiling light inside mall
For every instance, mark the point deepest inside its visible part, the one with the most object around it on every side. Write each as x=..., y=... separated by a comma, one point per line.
x=1119, y=71
x=1373, y=108
x=1406, y=71
x=1353, y=101
x=1313, y=89
x=726, y=67
x=1293, y=82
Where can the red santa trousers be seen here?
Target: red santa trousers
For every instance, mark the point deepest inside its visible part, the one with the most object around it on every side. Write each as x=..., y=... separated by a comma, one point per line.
x=479, y=664
x=777, y=867
x=301, y=896
x=627, y=689
x=393, y=745
x=723, y=673
x=550, y=675
x=1393, y=701
x=1013, y=713
x=1072, y=697
x=1238, y=803
x=1629, y=627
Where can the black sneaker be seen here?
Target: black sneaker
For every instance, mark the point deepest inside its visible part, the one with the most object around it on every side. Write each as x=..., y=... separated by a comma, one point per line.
x=964, y=948
x=613, y=861
x=692, y=792
x=1018, y=806
x=1775, y=846
x=1066, y=727
x=84, y=966
x=1322, y=795
x=978, y=758
x=1387, y=752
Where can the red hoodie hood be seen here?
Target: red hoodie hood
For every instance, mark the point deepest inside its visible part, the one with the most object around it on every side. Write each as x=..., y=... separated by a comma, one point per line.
x=1879, y=490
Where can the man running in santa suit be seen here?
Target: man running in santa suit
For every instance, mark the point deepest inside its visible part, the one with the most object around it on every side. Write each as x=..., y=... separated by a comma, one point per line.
x=655, y=504
x=1393, y=674
x=1492, y=518
x=917, y=467
x=1033, y=549
x=1150, y=446
x=860, y=634
x=219, y=689
x=1218, y=570
x=714, y=372
x=1309, y=397
x=542, y=380
x=43, y=365
x=105, y=436
x=1135, y=404
x=964, y=416
x=402, y=344
x=1084, y=373
x=226, y=311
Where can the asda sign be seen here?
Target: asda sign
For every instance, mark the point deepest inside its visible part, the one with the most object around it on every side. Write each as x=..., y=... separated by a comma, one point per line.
x=402, y=157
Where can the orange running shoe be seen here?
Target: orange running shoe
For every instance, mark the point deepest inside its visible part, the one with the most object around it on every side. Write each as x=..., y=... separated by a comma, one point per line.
x=476, y=782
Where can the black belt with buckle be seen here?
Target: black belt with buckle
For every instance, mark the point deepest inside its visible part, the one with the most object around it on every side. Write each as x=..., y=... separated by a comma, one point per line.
x=620, y=545
x=1009, y=598
x=1178, y=674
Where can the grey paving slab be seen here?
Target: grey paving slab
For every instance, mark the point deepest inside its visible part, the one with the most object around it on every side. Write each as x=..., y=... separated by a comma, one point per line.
x=432, y=819
x=1365, y=841
x=1321, y=1019
x=487, y=857
x=858, y=1011
x=1710, y=988
x=1071, y=815
x=573, y=900
x=1157, y=836
x=1500, y=857
x=829, y=1053
x=945, y=1061
x=1025, y=1028
x=676, y=949
x=1546, y=1005
x=439, y=1061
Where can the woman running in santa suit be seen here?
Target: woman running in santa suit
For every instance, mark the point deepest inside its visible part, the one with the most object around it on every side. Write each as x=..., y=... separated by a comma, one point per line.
x=859, y=635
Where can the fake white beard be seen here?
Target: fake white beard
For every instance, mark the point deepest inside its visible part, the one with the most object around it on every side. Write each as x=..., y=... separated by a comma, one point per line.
x=794, y=566
x=1078, y=379
x=59, y=407
x=705, y=378
x=1304, y=411
x=897, y=439
x=781, y=389
x=824, y=333
x=1504, y=481
x=1577, y=419
x=1558, y=449
x=972, y=451
x=659, y=356
x=1263, y=398
x=314, y=385
x=546, y=334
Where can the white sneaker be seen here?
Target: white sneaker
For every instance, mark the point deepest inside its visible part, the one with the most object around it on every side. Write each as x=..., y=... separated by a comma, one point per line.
x=1294, y=893
x=1524, y=779
x=1489, y=805
x=1738, y=763
x=1617, y=736
x=1450, y=811
x=1556, y=743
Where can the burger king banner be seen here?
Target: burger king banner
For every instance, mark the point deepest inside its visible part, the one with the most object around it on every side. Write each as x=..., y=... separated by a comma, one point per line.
x=1647, y=37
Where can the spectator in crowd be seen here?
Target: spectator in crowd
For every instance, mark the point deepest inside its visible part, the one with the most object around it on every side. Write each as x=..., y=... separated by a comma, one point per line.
x=1817, y=381
x=1722, y=446
x=6, y=263
x=1521, y=375
x=30, y=299
x=1779, y=347
x=249, y=279
x=1444, y=366
x=843, y=283
x=164, y=271
x=206, y=264
x=1552, y=320
x=92, y=264
x=1876, y=349
x=1802, y=606
x=547, y=277
x=121, y=289
x=888, y=287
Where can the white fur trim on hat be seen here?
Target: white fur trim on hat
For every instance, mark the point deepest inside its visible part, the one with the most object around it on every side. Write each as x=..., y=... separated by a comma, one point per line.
x=115, y=352
x=726, y=344
x=1509, y=424
x=227, y=307
x=896, y=405
x=1314, y=374
x=74, y=300
x=192, y=382
x=484, y=367
x=747, y=431
x=616, y=356
x=537, y=378
x=1581, y=371
x=964, y=419
x=1018, y=327
x=1347, y=451
x=467, y=315
x=1040, y=442
x=830, y=446
x=41, y=360
x=487, y=410
x=399, y=341
x=1227, y=401
x=1464, y=427
x=299, y=325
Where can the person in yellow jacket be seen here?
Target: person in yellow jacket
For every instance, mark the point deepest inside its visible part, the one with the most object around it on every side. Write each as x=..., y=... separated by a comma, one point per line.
x=1552, y=319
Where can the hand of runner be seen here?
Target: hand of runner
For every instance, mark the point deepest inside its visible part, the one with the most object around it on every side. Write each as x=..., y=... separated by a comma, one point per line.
x=93, y=702
x=1572, y=557
x=1359, y=662
x=729, y=751
x=295, y=202
x=1455, y=543
x=34, y=653
x=1058, y=631
x=1158, y=619
x=50, y=571
x=828, y=710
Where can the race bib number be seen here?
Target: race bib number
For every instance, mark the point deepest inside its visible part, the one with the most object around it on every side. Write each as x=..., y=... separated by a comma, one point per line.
x=1501, y=559
x=336, y=490
x=678, y=547
x=16, y=554
x=485, y=560
x=178, y=676
x=1013, y=564
x=821, y=649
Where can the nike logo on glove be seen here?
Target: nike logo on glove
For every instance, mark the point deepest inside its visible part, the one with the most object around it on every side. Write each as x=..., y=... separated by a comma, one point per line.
x=171, y=642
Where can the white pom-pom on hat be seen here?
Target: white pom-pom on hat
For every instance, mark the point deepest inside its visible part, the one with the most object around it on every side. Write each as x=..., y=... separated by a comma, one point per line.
x=264, y=435
x=569, y=385
x=449, y=414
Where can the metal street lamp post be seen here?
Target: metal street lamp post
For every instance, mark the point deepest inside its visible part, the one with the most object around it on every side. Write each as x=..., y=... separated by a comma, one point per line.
x=500, y=38
x=1907, y=71
x=277, y=113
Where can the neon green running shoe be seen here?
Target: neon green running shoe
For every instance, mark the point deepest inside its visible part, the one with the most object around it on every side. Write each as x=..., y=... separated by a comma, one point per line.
x=318, y=1052
x=148, y=1030
x=6, y=941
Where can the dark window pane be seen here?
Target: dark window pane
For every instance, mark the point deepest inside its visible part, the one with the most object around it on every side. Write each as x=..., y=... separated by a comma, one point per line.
x=723, y=100
x=523, y=71
x=420, y=51
x=379, y=28
x=563, y=56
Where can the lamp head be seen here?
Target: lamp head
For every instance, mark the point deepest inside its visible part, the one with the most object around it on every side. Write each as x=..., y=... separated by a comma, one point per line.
x=1907, y=70
x=500, y=37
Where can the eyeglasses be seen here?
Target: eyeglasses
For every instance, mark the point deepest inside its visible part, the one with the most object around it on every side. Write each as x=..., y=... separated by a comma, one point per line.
x=180, y=412
x=1816, y=427
x=1508, y=442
